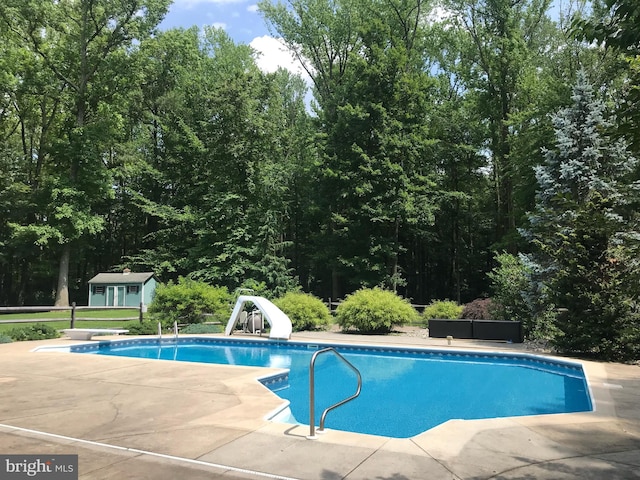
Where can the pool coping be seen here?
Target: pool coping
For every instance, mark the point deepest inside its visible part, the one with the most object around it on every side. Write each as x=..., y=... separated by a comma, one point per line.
x=586, y=445
x=274, y=372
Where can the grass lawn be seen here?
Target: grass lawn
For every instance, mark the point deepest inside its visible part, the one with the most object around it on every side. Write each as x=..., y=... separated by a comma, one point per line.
x=98, y=319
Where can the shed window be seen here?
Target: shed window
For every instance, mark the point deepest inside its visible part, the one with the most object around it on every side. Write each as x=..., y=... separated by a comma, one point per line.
x=133, y=288
x=98, y=290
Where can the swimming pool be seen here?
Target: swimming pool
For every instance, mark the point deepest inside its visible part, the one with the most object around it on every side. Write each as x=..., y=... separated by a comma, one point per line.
x=404, y=391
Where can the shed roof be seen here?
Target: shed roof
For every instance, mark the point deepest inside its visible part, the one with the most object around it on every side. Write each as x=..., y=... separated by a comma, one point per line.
x=122, y=278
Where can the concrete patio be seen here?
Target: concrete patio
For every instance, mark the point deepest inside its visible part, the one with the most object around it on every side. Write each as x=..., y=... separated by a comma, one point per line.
x=138, y=419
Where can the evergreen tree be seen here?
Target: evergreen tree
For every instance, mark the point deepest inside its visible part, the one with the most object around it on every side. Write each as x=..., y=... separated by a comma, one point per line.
x=582, y=228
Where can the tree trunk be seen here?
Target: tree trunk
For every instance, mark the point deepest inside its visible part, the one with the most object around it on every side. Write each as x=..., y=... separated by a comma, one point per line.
x=336, y=284
x=62, y=292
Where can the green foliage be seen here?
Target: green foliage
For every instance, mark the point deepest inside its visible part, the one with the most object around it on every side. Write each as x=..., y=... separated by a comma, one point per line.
x=201, y=328
x=70, y=107
x=39, y=331
x=147, y=327
x=443, y=309
x=173, y=148
x=503, y=64
x=373, y=310
x=509, y=282
x=592, y=285
x=305, y=311
x=619, y=30
x=221, y=214
x=479, y=309
x=5, y=338
x=187, y=301
x=375, y=173
x=253, y=287
x=517, y=296
x=585, y=230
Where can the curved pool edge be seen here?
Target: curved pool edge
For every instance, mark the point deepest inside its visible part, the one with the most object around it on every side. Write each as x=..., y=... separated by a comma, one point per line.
x=579, y=444
x=451, y=437
x=279, y=414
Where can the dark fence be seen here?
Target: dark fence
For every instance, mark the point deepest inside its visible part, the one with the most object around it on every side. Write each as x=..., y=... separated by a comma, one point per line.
x=477, y=329
x=73, y=313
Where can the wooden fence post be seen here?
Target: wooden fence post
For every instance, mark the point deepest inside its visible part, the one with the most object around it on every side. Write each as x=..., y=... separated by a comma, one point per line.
x=141, y=311
x=73, y=315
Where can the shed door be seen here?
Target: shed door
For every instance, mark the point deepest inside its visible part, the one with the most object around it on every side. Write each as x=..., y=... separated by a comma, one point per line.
x=115, y=296
x=120, y=297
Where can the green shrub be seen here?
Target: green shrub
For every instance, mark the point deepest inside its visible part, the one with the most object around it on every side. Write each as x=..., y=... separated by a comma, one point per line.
x=5, y=339
x=188, y=301
x=200, y=328
x=305, y=311
x=510, y=283
x=518, y=296
x=147, y=327
x=38, y=331
x=479, y=309
x=444, y=309
x=373, y=310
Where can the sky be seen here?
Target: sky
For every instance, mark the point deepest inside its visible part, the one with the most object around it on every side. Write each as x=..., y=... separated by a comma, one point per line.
x=242, y=22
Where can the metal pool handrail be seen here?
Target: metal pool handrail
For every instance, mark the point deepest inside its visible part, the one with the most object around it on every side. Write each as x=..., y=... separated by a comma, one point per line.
x=312, y=392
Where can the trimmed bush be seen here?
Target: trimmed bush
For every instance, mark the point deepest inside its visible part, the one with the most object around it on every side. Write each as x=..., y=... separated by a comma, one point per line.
x=373, y=310
x=5, y=339
x=305, y=311
x=39, y=331
x=200, y=328
x=479, y=309
x=188, y=301
x=444, y=309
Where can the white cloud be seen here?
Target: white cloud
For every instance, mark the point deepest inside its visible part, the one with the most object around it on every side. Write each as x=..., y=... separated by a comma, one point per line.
x=273, y=53
x=252, y=8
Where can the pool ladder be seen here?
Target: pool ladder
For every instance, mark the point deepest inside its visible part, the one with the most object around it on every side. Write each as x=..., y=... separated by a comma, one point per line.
x=312, y=392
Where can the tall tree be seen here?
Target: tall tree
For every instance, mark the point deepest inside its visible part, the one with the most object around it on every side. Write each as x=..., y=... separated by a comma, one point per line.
x=505, y=37
x=83, y=45
x=365, y=59
x=223, y=143
x=583, y=229
x=156, y=190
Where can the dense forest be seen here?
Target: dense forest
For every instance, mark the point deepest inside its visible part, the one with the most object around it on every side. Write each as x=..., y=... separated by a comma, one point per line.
x=437, y=140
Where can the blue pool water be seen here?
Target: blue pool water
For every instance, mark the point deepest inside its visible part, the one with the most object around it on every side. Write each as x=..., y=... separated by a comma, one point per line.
x=404, y=391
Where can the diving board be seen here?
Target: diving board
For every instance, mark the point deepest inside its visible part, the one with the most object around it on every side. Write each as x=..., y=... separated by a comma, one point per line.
x=87, y=333
x=280, y=323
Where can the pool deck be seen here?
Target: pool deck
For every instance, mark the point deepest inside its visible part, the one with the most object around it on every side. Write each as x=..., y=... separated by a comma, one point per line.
x=138, y=419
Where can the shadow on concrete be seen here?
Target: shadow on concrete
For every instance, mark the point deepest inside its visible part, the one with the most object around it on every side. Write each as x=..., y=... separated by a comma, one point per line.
x=330, y=475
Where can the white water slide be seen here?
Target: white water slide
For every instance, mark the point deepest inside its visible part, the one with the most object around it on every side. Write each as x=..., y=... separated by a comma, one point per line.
x=280, y=323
